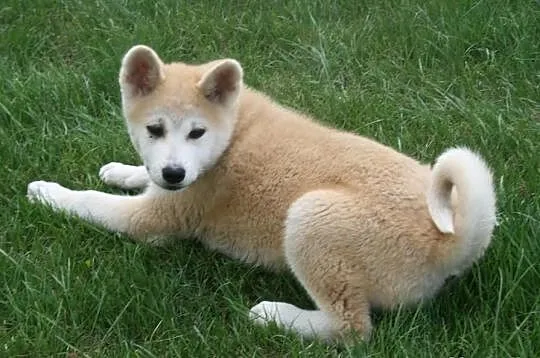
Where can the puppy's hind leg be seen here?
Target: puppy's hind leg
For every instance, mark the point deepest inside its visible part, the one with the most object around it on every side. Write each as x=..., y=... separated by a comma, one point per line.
x=307, y=323
x=318, y=228
x=124, y=176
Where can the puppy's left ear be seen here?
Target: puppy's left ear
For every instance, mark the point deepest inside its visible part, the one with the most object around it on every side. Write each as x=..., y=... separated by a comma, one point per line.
x=222, y=83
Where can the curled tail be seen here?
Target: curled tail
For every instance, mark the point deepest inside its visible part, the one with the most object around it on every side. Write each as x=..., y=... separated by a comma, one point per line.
x=470, y=214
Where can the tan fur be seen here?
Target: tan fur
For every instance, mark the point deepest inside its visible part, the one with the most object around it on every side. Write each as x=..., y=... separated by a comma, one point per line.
x=347, y=215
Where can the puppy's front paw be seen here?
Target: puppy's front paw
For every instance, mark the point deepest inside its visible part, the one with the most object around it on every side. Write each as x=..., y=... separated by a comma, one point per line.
x=48, y=193
x=124, y=176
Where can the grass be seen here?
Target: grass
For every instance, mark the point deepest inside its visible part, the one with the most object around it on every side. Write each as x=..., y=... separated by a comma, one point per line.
x=416, y=75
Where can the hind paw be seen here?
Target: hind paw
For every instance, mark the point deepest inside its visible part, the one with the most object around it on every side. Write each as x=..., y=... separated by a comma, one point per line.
x=308, y=324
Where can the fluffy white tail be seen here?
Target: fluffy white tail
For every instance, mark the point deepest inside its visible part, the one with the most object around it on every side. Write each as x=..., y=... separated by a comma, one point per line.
x=471, y=215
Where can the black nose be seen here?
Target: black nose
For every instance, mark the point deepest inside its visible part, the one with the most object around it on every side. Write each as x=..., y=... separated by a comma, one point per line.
x=173, y=175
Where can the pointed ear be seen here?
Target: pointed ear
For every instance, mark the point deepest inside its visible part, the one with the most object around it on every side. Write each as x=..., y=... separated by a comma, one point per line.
x=141, y=71
x=222, y=83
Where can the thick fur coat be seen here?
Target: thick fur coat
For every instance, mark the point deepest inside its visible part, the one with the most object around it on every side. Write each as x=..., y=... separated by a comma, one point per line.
x=359, y=224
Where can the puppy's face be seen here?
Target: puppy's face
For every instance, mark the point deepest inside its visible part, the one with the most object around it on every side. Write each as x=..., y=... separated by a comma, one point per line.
x=180, y=117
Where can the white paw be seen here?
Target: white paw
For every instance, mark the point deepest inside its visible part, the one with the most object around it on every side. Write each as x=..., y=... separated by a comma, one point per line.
x=123, y=176
x=52, y=194
x=308, y=324
x=281, y=313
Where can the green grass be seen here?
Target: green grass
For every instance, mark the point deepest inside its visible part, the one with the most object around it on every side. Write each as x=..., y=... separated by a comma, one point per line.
x=416, y=75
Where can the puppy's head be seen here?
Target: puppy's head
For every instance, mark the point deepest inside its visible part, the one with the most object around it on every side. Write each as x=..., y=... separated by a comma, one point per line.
x=180, y=117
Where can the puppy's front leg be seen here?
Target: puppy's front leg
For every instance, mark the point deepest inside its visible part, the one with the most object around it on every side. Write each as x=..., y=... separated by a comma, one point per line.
x=139, y=216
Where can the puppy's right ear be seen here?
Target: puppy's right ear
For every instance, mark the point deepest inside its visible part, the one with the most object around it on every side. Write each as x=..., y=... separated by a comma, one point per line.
x=141, y=71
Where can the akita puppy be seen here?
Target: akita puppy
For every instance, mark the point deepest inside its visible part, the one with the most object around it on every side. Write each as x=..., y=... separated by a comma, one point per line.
x=359, y=224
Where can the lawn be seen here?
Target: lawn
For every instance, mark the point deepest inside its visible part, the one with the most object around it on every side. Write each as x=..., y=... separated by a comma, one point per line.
x=419, y=76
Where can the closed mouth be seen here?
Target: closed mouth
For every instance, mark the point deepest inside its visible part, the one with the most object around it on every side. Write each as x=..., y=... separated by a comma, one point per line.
x=172, y=187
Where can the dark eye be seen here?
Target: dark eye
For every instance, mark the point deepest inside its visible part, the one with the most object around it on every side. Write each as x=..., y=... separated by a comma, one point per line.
x=155, y=130
x=196, y=133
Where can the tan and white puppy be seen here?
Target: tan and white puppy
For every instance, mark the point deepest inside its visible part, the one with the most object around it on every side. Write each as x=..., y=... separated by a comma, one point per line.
x=359, y=224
